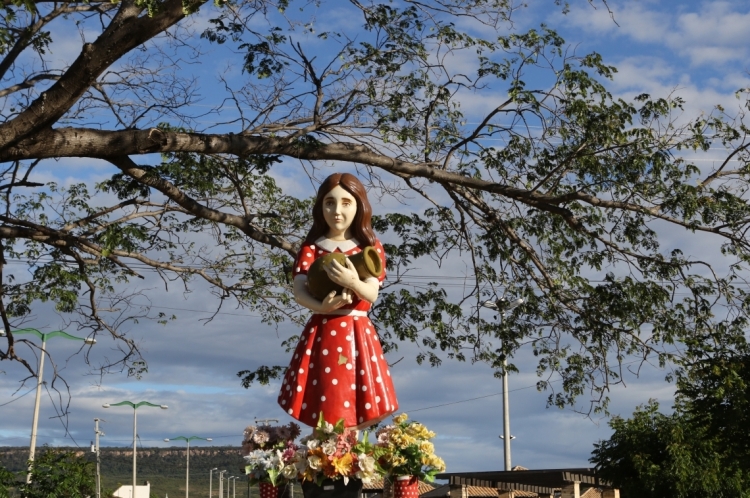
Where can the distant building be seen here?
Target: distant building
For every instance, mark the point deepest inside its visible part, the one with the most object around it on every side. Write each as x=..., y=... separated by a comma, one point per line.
x=126, y=491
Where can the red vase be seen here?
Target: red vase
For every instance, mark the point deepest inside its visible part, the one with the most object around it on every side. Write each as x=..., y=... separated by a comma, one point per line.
x=268, y=490
x=406, y=487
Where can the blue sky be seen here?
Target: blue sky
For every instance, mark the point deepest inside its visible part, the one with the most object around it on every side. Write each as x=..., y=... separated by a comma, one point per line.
x=696, y=50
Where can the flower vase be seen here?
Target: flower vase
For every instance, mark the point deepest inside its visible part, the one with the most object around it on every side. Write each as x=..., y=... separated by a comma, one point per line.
x=332, y=489
x=268, y=490
x=406, y=487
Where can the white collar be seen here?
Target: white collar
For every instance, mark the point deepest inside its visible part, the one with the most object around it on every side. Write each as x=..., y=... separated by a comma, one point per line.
x=331, y=245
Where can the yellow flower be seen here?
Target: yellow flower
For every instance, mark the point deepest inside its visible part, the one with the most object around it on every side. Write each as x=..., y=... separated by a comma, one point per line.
x=398, y=419
x=343, y=465
x=427, y=447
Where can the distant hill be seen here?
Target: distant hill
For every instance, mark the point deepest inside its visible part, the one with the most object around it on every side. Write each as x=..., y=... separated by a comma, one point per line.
x=164, y=468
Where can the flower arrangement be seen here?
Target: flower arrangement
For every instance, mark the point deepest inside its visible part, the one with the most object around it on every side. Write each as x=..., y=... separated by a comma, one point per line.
x=335, y=452
x=404, y=449
x=270, y=453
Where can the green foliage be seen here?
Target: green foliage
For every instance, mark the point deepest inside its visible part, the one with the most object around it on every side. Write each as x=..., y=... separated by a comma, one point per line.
x=701, y=449
x=557, y=191
x=60, y=474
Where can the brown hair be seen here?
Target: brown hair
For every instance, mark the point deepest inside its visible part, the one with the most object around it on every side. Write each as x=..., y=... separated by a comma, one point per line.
x=361, y=227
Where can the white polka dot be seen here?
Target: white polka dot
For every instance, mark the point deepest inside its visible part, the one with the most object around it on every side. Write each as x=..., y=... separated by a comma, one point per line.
x=312, y=247
x=361, y=420
x=377, y=399
x=318, y=339
x=304, y=263
x=325, y=320
x=348, y=338
x=368, y=405
x=283, y=401
x=325, y=352
x=339, y=349
x=304, y=405
x=301, y=370
x=378, y=250
x=346, y=404
x=364, y=388
x=378, y=379
x=284, y=381
x=328, y=369
x=356, y=318
x=361, y=372
x=374, y=358
x=333, y=332
x=354, y=387
x=322, y=398
x=388, y=372
x=290, y=411
x=311, y=365
x=299, y=389
x=367, y=330
x=287, y=387
x=343, y=324
x=298, y=268
x=335, y=381
x=315, y=415
x=308, y=255
x=315, y=382
x=320, y=252
x=381, y=356
x=348, y=366
x=356, y=353
x=308, y=352
x=296, y=355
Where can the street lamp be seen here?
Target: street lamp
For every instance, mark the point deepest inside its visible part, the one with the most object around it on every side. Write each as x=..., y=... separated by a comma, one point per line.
x=210, y=482
x=234, y=480
x=43, y=336
x=187, y=452
x=135, y=434
x=504, y=307
x=221, y=483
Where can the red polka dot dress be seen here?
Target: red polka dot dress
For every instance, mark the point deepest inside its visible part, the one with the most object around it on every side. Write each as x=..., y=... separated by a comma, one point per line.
x=338, y=367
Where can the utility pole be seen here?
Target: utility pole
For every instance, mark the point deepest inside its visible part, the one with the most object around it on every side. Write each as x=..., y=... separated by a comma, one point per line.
x=98, y=433
x=503, y=306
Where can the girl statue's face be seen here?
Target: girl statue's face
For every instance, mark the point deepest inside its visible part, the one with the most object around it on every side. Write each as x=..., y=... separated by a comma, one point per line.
x=339, y=209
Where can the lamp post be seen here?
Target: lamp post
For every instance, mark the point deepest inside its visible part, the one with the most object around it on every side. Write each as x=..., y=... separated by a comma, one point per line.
x=135, y=420
x=187, y=453
x=44, y=336
x=210, y=482
x=504, y=306
x=98, y=433
x=221, y=483
x=233, y=479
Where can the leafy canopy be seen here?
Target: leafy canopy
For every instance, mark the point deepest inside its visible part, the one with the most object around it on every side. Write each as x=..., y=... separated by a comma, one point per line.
x=552, y=190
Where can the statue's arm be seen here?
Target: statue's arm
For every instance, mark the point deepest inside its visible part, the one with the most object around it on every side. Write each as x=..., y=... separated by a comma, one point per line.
x=331, y=302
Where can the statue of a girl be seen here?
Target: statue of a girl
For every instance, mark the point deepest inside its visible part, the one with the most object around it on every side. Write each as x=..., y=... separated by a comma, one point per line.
x=338, y=367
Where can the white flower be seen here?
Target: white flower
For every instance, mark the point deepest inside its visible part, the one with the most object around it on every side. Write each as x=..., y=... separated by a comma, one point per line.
x=290, y=471
x=312, y=444
x=315, y=462
x=329, y=447
x=328, y=428
x=366, y=463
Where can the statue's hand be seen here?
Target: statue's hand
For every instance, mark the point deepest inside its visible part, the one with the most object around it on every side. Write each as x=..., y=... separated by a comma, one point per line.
x=345, y=276
x=335, y=301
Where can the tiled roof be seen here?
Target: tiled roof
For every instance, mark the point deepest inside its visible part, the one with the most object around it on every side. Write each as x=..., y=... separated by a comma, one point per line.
x=592, y=493
x=475, y=492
